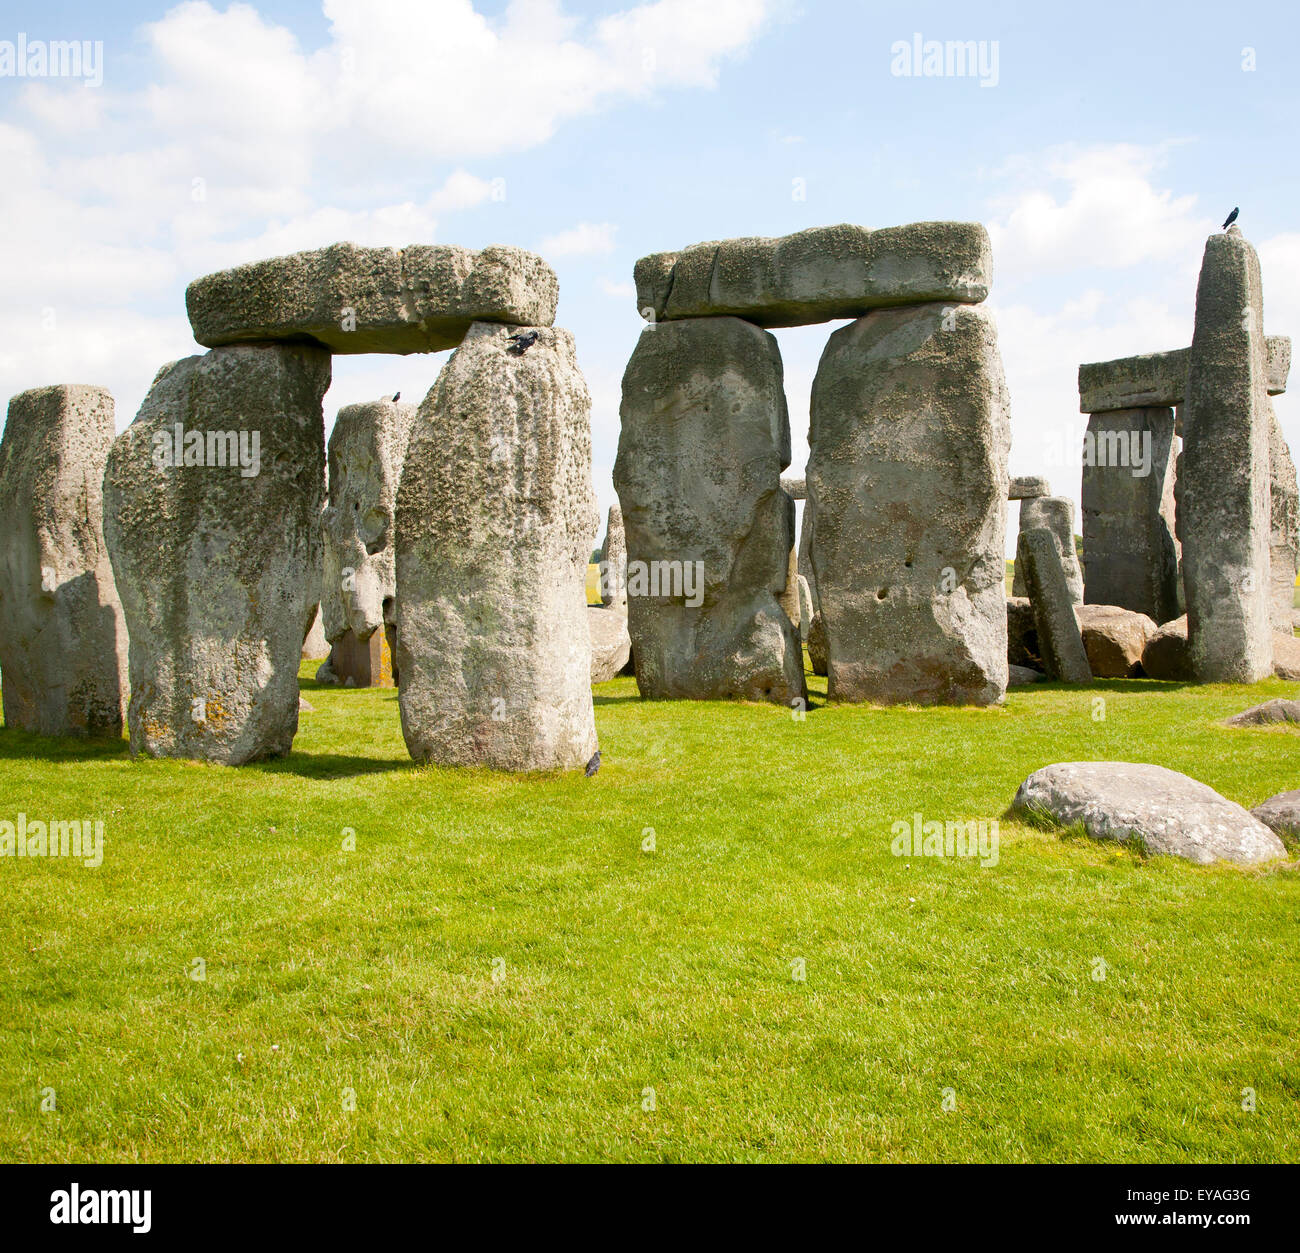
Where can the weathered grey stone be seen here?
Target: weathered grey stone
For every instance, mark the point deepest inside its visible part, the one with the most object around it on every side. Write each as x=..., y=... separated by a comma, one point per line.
x=817, y=645
x=1270, y=713
x=1130, y=553
x=805, y=607
x=218, y=564
x=610, y=643
x=1164, y=811
x=1056, y=513
x=422, y=298
x=496, y=518
x=1114, y=639
x=1286, y=656
x=62, y=636
x=796, y=489
x=908, y=476
x=815, y=275
x=1284, y=532
x=613, y=558
x=1165, y=655
x=705, y=436
x=1281, y=813
x=789, y=598
x=805, y=548
x=1223, y=473
x=1060, y=642
x=1019, y=676
x=1159, y=379
x=315, y=647
x=1022, y=634
x=1028, y=487
x=366, y=450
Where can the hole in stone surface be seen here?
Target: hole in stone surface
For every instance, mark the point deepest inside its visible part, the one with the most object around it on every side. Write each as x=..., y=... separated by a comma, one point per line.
x=880, y=595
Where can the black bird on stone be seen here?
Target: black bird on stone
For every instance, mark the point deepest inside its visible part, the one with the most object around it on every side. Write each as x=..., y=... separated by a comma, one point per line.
x=396, y=397
x=1232, y=217
x=522, y=342
x=594, y=764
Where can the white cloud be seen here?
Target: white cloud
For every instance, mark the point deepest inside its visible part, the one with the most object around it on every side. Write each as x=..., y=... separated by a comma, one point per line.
x=584, y=240
x=617, y=291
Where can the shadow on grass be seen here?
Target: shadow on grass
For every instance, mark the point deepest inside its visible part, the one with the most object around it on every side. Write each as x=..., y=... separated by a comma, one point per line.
x=16, y=744
x=327, y=765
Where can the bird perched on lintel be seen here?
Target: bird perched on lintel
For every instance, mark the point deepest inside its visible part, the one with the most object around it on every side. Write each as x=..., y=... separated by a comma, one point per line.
x=522, y=342
x=1232, y=217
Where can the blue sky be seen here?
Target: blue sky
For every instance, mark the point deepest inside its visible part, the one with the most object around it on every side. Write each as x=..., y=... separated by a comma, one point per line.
x=1115, y=139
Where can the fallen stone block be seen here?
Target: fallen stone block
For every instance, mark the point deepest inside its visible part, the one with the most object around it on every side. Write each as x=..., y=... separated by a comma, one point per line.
x=1028, y=487
x=1114, y=639
x=1270, y=713
x=1162, y=810
x=611, y=646
x=1165, y=654
x=1281, y=813
x=1060, y=642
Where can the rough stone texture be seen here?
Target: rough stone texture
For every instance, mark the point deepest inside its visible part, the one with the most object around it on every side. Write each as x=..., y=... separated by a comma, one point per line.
x=1286, y=656
x=1019, y=676
x=1028, y=487
x=1165, y=811
x=219, y=571
x=1165, y=655
x=496, y=519
x=1022, y=634
x=315, y=647
x=817, y=645
x=908, y=476
x=1284, y=532
x=62, y=635
x=1270, y=713
x=1281, y=813
x=1060, y=642
x=805, y=548
x=1160, y=378
x=1130, y=553
x=1223, y=473
x=610, y=643
x=613, y=556
x=789, y=598
x=1114, y=639
x=366, y=451
x=1056, y=513
x=351, y=299
x=705, y=436
x=796, y=489
x=805, y=607
x=815, y=275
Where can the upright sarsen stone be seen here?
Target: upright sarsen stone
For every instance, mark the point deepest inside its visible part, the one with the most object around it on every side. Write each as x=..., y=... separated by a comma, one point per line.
x=1056, y=513
x=705, y=436
x=1060, y=640
x=908, y=479
x=1223, y=475
x=496, y=518
x=1284, y=537
x=366, y=450
x=212, y=502
x=1130, y=553
x=62, y=636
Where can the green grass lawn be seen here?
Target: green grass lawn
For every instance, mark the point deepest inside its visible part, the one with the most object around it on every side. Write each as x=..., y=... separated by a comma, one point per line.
x=500, y=972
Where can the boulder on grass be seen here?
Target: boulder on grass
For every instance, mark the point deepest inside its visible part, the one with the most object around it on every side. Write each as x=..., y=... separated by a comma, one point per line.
x=1164, y=811
x=1269, y=713
x=1286, y=657
x=1114, y=639
x=611, y=646
x=1165, y=655
x=1281, y=813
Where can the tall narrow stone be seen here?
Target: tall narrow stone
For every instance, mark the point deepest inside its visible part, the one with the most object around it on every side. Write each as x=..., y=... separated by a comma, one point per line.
x=496, y=518
x=1060, y=640
x=705, y=436
x=1130, y=553
x=1056, y=513
x=212, y=503
x=62, y=635
x=908, y=477
x=366, y=450
x=1284, y=537
x=613, y=559
x=1223, y=476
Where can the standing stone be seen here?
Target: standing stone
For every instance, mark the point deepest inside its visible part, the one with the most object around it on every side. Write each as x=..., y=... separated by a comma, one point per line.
x=705, y=436
x=62, y=635
x=789, y=599
x=908, y=476
x=1284, y=536
x=496, y=518
x=613, y=560
x=1130, y=553
x=1223, y=476
x=805, y=548
x=366, y=450
x=805, y=608
x=1060, y=642
x=1056, y=513
x=315, y=647
x=212, y=502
